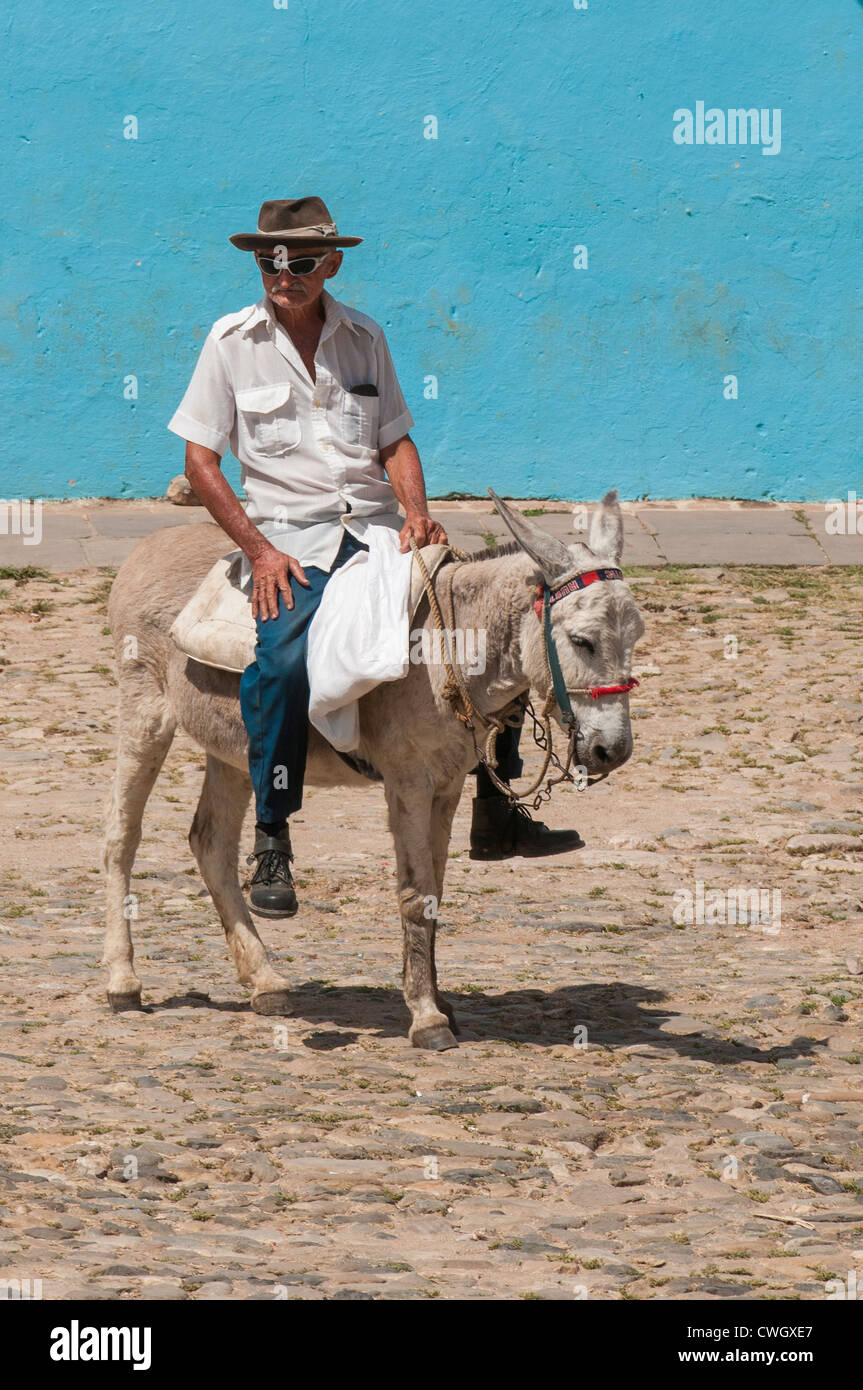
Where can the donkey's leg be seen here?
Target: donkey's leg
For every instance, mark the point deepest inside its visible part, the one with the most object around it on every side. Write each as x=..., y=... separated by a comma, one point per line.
x=215, y=839
x=443, y=809
x=145, y=730
x=410, y=804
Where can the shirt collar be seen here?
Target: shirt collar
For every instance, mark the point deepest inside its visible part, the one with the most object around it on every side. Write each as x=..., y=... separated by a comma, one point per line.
x=334, y=313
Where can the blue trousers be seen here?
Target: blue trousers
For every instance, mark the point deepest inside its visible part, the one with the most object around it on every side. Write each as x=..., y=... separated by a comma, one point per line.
x=274, y=694
x=274, y=701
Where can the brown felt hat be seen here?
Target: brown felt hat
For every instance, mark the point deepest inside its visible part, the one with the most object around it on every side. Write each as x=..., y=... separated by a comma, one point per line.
x=304, y=221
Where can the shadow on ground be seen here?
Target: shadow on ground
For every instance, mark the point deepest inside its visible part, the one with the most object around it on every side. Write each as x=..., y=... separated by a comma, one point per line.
x=615, y=1015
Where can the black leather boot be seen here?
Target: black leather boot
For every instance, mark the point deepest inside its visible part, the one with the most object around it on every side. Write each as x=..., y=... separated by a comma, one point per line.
x=272, y=888
x=500, y=830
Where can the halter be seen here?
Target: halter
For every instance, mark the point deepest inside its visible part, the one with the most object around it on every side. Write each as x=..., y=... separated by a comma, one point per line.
x=455, y=691
x=542, y=609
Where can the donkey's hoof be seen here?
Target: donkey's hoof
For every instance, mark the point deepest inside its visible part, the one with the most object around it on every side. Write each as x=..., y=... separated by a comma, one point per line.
x=437, y=1038
x=125, y=1003
x=273, y=1002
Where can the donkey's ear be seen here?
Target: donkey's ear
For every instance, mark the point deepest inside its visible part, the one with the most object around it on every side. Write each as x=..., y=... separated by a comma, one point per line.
x=606, y=530
x=555, y=560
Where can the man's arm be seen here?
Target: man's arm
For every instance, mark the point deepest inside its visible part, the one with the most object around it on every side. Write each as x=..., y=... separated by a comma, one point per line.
x=271, y=570
x=404, y=470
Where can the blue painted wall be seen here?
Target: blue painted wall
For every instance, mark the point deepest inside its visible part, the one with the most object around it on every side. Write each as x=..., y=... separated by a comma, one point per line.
x=555, y=129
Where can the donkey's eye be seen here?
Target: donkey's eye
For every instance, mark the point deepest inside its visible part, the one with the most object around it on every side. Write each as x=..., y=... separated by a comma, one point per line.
x=582, y=642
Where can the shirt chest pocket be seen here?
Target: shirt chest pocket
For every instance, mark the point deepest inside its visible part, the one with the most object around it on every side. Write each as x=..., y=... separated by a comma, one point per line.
x=267, y=418
x=360, y=420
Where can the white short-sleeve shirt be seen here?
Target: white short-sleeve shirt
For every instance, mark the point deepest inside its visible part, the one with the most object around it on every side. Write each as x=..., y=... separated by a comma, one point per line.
x=309, y=451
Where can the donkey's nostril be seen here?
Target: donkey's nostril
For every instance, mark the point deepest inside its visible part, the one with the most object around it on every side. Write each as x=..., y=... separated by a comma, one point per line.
x=602, y=753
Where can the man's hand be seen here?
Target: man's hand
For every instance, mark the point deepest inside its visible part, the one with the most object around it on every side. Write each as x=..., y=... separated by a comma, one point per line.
x=402, y=463
x=423, y=529
x=271, y=575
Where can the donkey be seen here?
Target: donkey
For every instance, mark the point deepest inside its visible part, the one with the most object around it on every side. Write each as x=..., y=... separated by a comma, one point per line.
x=409, y=735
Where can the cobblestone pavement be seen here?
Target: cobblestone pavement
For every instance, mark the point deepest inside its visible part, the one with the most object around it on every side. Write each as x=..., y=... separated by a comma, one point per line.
x=641, y=1107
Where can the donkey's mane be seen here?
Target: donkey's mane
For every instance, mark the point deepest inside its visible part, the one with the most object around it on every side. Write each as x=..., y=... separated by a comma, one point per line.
x=494, y=552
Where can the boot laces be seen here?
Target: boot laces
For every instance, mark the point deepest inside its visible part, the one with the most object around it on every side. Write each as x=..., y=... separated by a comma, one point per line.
x=525, y=825
x=273, y=866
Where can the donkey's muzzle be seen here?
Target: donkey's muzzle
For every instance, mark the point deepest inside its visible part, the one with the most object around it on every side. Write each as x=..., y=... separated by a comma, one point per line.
x=602, y=755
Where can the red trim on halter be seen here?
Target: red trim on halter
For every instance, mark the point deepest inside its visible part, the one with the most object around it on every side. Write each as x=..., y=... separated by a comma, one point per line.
x=595, y=691
x=578, y=581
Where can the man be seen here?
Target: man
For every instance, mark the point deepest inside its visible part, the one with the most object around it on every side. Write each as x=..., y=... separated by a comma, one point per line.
x=304, y=390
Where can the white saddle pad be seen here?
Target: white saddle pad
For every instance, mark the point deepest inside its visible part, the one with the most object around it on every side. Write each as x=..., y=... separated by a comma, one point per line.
x=358, y=638
x=216, y=626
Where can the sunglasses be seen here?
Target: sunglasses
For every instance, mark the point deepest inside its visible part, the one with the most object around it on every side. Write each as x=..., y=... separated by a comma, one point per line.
x=301, y=265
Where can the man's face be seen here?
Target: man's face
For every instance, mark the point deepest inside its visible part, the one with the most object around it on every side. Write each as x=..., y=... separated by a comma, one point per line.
x=297, y=291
